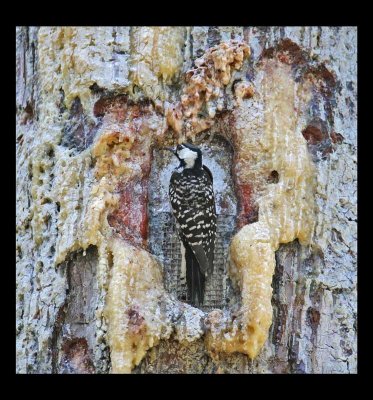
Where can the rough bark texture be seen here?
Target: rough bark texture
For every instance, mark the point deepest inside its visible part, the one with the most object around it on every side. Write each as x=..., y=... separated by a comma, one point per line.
x=82, y=92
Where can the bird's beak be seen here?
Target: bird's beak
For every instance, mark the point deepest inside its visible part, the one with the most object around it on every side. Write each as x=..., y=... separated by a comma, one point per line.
x=169, y=149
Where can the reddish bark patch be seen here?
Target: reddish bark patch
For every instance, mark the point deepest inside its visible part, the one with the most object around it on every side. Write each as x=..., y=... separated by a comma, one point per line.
x=130, y=219
x=314, y=135
x=248, y=212
x=136, y=321
x=320, y=142
x=120, y=105
x=326, y=80
x=76, y=356
x=328, y=150
x=326, y=84
x=313, y=316
x=336, y=137
x=286, y=51
x=305, y=68
x=116, y=104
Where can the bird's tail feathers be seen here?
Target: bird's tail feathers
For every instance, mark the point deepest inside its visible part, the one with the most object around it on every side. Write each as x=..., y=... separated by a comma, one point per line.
x=195, y=279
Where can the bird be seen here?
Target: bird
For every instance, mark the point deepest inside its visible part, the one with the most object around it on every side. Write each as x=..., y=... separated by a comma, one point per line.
x=192, y=199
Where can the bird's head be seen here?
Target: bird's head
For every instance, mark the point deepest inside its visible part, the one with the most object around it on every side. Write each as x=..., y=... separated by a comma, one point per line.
x=190, y=156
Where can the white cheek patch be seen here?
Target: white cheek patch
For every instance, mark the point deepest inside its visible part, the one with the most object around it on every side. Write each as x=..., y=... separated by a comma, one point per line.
x=188, y=156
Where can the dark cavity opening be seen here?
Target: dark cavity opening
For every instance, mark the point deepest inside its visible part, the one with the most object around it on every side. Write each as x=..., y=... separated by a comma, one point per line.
x=273, y=177
x=163, y=239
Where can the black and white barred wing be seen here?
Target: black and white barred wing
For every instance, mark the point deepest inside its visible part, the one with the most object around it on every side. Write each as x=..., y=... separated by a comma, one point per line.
x=193, y=205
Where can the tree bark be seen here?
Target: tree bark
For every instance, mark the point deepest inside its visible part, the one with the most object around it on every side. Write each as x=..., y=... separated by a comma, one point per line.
x=67, y=79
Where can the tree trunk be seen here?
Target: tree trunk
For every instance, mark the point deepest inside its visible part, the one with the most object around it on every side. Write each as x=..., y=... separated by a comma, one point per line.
x=98, y=264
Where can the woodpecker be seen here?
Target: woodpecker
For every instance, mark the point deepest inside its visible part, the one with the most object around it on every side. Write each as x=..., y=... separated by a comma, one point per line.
x=193, y=204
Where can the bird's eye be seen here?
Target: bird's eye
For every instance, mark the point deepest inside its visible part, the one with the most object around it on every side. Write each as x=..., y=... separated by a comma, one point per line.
x=179, y=147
